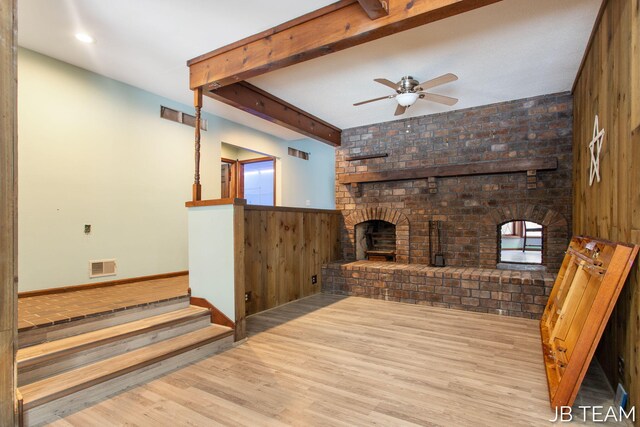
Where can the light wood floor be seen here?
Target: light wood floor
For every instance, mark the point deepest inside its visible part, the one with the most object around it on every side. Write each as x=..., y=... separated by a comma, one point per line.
x=329, y=360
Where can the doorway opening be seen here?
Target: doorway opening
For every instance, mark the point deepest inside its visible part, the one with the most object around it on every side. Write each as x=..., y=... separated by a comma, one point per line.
x=247, y=174
x=257, y=183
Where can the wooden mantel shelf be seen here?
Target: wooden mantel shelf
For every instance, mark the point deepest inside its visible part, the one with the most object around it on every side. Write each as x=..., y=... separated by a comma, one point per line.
x=478, y=168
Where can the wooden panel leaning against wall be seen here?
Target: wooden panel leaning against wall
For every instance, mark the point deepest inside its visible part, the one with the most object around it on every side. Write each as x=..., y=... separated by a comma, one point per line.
x=608, y=85
x=284, y=249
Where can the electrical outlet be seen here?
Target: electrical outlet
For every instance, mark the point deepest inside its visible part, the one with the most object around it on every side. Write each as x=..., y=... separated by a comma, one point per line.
x=314, y=279
x=621, y=367
x=87, y=229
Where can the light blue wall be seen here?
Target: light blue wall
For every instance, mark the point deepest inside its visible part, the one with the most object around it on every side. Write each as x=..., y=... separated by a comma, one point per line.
x=95, y=151
x=312, y=180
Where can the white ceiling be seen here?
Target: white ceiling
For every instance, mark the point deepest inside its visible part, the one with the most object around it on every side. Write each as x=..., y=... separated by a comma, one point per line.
x=509, y=50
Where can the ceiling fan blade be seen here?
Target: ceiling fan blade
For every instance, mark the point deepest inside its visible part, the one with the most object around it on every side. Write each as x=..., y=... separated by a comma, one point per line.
x=372, y=100
x=386, y=82
x=441, y=99
x=445, y=78
x=400, y=110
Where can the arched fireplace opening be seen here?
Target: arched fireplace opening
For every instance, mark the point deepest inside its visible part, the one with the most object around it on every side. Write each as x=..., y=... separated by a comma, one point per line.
x=375, y=241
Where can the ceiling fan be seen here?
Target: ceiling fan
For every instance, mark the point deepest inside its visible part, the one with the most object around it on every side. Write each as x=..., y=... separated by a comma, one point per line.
x=409, y=90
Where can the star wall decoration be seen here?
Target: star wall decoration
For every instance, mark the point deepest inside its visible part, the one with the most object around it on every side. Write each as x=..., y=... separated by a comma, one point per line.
x=595, y=146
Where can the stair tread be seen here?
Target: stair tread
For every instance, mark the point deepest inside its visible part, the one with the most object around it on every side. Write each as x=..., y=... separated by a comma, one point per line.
x=69, y=382
x=29, y=355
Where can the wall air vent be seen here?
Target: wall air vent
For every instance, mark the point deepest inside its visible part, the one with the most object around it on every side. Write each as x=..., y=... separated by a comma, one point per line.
x=180, y=117
x=101, y=268
x=297, y=153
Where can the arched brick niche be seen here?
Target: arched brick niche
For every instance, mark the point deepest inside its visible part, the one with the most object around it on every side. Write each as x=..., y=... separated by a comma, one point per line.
x=555, y=232
x=392, y=216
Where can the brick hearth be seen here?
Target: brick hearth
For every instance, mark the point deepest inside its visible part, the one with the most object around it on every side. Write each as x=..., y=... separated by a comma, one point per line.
x=513, y=293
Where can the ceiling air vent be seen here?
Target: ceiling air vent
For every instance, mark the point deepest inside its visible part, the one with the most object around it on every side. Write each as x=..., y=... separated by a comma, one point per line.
x=105, y=267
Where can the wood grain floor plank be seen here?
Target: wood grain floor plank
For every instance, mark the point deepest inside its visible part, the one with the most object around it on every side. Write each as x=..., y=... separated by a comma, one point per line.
x=334, y=361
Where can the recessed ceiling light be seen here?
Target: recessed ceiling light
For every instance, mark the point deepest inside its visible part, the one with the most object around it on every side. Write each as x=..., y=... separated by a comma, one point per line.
x=85, y=38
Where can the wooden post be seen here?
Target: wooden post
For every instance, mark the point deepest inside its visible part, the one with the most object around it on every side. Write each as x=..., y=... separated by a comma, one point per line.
x=8, y=213
x=197, y=102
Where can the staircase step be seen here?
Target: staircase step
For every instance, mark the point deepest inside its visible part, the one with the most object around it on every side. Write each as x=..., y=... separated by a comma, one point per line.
x=58, y=331
x=52, y=358
x=59, y=394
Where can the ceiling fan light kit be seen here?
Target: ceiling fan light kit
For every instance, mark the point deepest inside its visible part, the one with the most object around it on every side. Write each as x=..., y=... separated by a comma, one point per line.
x=407, y=99
x=408, y=91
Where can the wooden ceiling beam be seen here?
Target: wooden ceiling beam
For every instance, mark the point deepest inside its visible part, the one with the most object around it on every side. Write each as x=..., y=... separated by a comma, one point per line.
x=262, y=104
x=333, y=28
x=375, y=8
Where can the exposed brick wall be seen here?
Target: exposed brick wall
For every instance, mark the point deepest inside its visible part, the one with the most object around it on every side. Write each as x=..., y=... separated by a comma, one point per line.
x=471, y=207
x=512, y=293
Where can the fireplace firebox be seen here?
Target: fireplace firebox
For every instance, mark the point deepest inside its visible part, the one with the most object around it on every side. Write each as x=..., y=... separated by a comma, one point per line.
x=375, y=241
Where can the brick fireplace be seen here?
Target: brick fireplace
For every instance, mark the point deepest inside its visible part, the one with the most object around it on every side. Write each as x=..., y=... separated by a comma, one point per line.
x=471, y=207
x=390, y=216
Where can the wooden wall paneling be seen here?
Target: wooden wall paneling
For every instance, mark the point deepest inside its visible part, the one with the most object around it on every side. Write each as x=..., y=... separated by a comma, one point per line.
x=305, y=268
x=291, y=269
x=320, y=246
x=251, y=247
x=286, y=252
x=310, y=249
x=608, y=84
x=314, y=256
x=287, y=284
x=283, y=249
x=299, y=269
x=272, y=256
x=635, y=116
x=239, y=271
x=8, y=212
x=261, y=267
x=281, y=259
x=631, y=339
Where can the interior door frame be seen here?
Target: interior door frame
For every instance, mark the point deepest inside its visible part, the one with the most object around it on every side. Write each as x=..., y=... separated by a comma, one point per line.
x=242, y=163
x=233, y=187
